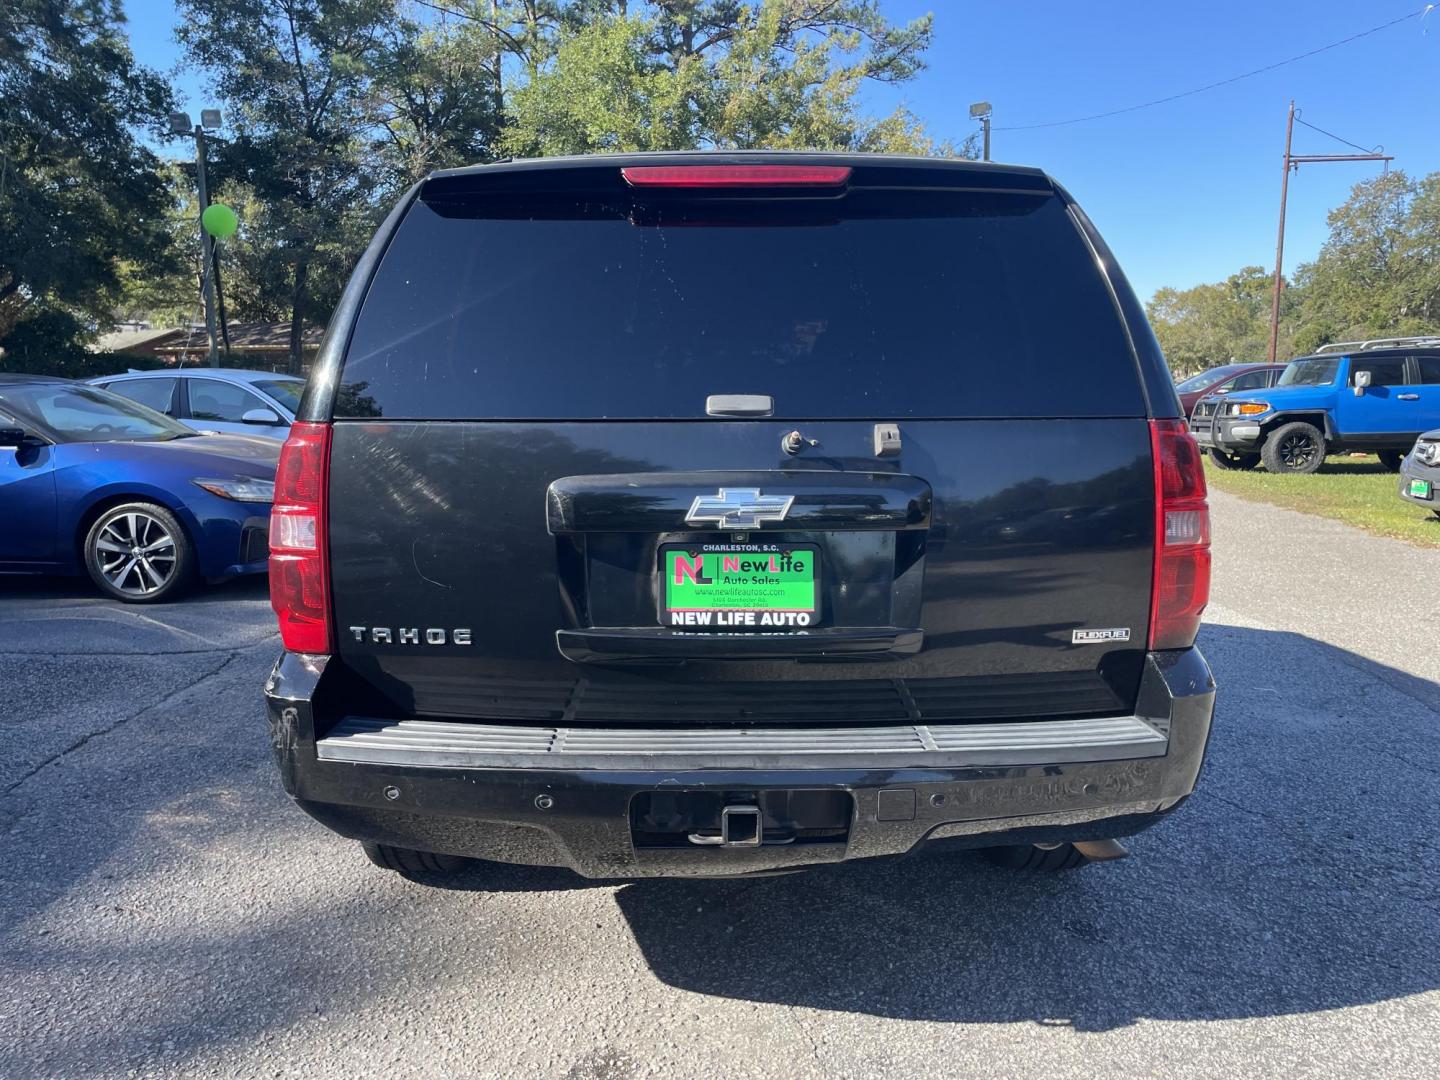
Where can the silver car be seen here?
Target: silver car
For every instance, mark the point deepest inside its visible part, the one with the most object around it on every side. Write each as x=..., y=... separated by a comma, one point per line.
x=1420, y=473
x=230, y=400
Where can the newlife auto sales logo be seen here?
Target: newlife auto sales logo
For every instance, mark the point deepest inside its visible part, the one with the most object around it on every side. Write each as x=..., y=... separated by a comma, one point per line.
x=740, y=585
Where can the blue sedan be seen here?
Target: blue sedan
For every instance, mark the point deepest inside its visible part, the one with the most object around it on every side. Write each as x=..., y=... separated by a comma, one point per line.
x=91, y=482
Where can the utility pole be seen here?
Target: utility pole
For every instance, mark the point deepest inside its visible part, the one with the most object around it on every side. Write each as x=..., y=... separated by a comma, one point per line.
x=1280, y=239
x=207, y=249
x=1294, y=161
x=981, y=111
x=219, y=297
x=180, y=125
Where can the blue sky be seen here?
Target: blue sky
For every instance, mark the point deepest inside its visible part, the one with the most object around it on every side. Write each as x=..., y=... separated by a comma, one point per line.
x=1184, y=192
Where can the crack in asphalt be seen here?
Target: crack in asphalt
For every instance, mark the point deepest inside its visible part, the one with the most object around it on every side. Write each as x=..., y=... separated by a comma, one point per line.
x=144, y=652
x=794, y=1015
x=39, y=767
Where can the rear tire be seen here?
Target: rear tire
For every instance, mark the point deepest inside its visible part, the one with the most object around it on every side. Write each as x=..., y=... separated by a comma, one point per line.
x=1296, y=447
x=1390, y=459
x=1030, y=857
x=1225, y=460
x=407, y=861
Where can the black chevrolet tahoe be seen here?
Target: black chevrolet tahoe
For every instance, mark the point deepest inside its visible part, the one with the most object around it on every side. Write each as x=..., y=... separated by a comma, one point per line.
x=716, y=514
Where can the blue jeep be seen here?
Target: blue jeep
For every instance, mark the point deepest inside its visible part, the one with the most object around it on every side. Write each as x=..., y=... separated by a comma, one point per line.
x=1353, y=395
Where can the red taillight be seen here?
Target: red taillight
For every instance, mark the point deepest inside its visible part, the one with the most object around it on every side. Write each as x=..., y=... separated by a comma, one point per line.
x=731, y=176
x=1181, y=587
x=299, y=573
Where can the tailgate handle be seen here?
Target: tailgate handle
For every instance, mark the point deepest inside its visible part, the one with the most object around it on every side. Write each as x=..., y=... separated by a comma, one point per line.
x=740, y=405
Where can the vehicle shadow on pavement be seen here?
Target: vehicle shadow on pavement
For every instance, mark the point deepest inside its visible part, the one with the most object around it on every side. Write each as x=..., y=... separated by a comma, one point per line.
x=1300, y=877
x=488, y=877
x=162, y=905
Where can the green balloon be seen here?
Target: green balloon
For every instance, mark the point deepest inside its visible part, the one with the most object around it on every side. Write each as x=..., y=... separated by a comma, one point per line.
x=219, y=220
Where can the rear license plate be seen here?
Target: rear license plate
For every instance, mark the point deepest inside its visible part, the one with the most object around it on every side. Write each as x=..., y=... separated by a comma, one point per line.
x=739, y=586
x=1420, y=489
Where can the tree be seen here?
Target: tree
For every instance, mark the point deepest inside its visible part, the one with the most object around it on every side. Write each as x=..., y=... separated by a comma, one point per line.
x=1378, y=273
x=1208, y=325
x=435, y=97
x=80, y=197
x=296, y=76
x=167, y=294
x=685, y=74
x=601, y=93
x=338, y=105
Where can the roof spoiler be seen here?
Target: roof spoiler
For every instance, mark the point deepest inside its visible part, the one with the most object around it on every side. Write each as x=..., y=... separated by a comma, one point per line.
x=602, y=173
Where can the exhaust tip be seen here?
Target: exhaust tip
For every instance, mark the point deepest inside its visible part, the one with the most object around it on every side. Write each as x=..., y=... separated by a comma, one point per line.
x=1101, y=850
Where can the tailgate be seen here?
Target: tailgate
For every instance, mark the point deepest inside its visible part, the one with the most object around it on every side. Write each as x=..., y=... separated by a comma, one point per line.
x=516, y=570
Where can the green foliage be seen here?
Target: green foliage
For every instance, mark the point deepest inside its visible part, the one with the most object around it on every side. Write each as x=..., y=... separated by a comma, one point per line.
x=333, y=107
x=166, y=293
x=79, y=195
x=296, y=80
x=46, y=334
x=47, y=342
x=434, y=98
x=71, y=362
x=1377, y=275
x=1208, y=325
x=600, y=93
x=687, y=75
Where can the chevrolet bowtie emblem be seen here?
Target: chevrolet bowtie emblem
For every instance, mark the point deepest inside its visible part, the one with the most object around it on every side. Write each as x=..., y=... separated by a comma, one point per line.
x=738, y=508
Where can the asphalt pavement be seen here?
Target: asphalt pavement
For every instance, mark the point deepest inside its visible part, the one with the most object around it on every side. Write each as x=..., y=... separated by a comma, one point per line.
x=165, y=911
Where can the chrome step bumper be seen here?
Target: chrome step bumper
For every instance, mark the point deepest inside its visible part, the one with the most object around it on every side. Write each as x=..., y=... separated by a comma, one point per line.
x=456, y=745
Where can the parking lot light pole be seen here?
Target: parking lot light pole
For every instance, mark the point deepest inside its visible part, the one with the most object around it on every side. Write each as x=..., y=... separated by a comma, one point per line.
x=180, y=125
x=981, y=111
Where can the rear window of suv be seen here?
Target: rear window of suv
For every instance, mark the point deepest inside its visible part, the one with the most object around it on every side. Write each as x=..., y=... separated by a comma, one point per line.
x=878, y=305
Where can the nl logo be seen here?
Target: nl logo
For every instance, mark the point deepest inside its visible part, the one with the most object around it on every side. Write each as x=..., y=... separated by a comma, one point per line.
x=763, y=570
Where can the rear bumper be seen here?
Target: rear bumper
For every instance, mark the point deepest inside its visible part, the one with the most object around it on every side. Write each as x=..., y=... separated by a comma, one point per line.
x=555, y=796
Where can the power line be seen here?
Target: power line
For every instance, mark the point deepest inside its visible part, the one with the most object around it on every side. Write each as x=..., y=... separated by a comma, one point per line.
x=1293, y=161
x=1224, y=82
x=494, y=27
x=1337, y=138
x=449, y=11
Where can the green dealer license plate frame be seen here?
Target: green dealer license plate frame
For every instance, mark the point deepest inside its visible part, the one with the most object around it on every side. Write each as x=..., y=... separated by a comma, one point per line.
x=727, y=591
x=1420, y=489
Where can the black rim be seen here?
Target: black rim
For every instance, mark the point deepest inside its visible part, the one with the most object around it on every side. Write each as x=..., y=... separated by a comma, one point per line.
x=1297, y=451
